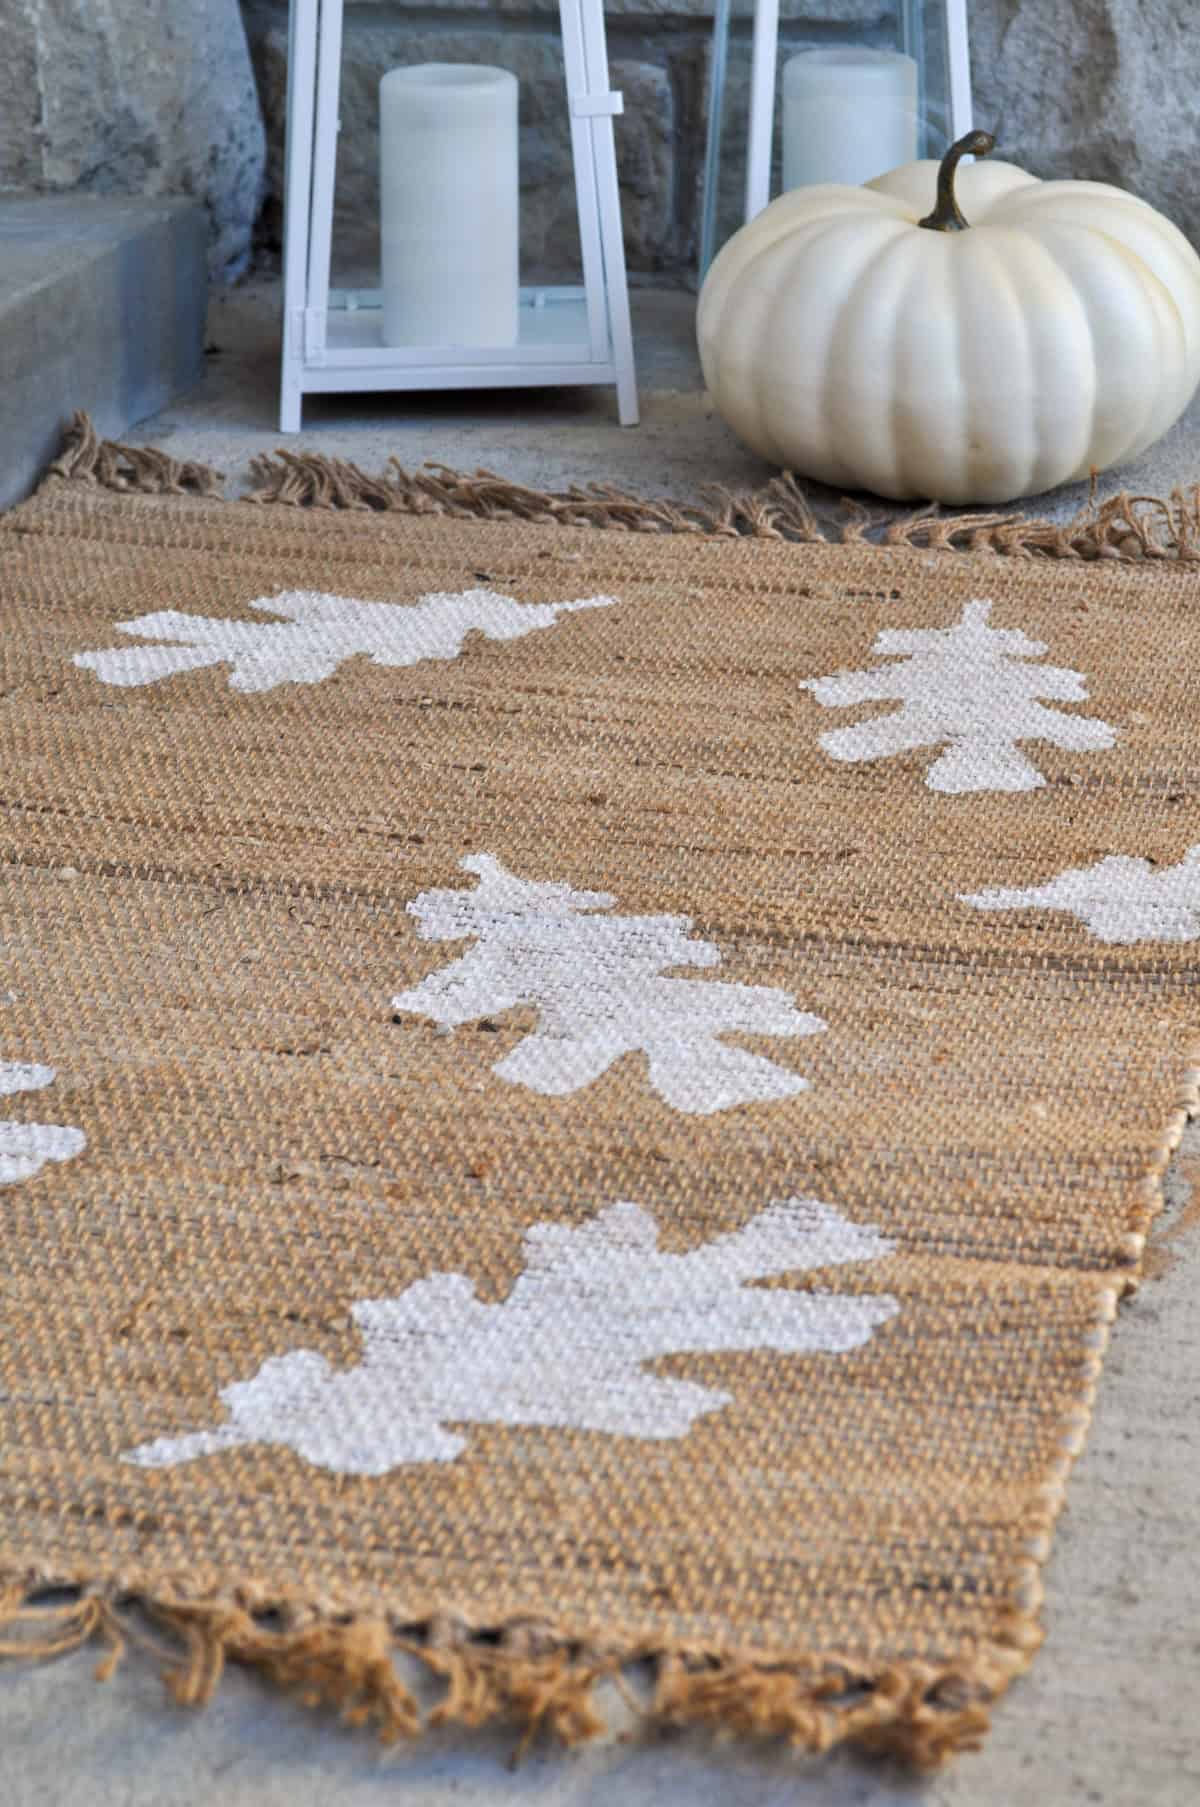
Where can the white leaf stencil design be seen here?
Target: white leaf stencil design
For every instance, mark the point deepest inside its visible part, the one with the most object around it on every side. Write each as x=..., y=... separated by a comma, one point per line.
x=968, y=686
x=597, y=981
x=566, y=1348
x=315, y=632
x=1119, y=899
x=26, y=1147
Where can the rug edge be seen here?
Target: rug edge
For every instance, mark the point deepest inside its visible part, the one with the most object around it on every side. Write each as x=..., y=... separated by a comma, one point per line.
x=541, y=1679
x=522, y=1675
x=1126, y=528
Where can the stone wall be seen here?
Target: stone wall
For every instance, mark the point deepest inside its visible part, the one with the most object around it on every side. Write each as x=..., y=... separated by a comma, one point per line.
x=1099, y=88
x=659, y=56
x=1096, y=88
x=121, y=97
x=127, y=97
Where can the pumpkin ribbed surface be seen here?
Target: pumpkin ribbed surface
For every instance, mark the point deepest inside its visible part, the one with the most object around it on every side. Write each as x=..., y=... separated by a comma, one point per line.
x=1059, y=335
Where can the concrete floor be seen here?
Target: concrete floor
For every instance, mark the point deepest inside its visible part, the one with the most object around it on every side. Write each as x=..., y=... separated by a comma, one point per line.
x=1109, y=1713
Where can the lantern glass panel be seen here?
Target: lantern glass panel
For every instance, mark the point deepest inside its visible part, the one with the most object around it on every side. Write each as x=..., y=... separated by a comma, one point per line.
x=848, y=106
x=373, y=271
x=549, y=255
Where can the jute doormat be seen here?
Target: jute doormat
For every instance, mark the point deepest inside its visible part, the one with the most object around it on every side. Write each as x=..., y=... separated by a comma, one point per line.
x=576, y=1098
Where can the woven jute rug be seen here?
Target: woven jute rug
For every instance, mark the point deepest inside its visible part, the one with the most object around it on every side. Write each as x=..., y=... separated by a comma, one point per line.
x=579, y=1104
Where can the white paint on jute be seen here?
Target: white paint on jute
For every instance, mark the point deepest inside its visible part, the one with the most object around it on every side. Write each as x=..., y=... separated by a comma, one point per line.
x=26, y=1147
x=969, y=686
x=315, y=632
x=597, y=983
x=567, y=1348
x=1119, y=899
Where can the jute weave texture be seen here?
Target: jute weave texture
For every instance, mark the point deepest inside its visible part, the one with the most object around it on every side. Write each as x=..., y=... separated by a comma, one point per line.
x=537, y=1138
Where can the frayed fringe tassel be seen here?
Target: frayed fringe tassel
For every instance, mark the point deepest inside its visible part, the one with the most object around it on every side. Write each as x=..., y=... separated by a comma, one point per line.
x=915, y=1711
x=86, y=458
x=921, y=1713
x=1127, y=527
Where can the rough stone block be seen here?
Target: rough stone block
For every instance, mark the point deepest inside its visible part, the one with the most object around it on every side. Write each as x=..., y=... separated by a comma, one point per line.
x=129, y=98
x=1102, y=89
x=102, y=306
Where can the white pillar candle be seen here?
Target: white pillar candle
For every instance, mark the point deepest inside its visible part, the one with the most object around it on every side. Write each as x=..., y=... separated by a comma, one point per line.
x=848, y=115
x=448, y=205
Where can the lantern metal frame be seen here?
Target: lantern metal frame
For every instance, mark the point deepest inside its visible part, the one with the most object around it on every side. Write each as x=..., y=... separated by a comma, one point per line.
x=567, y=335
x=763, y=77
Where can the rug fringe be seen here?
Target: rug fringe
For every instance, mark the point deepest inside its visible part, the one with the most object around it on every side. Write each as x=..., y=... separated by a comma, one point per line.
x=1127, y=527
x=914, y=1711
x=86, y=458
x=918, y=1712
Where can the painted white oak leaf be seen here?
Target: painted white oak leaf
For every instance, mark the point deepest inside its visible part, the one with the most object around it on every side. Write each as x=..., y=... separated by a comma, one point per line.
x=597, y=983
x=567, y=1348
x=1118, y=899
x=315, y=632
x=26, y=1147
x=968, y=686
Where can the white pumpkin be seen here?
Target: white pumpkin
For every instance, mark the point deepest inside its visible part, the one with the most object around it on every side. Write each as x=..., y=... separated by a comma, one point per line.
x=850, y=338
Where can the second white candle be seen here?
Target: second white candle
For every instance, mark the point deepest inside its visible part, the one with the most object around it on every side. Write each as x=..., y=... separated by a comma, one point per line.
x=848, y=115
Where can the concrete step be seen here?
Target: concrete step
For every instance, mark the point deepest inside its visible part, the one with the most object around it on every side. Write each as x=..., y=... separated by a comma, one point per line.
x=102, y=305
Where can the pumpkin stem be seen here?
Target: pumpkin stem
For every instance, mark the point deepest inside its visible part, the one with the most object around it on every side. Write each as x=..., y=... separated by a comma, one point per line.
x=946, y=216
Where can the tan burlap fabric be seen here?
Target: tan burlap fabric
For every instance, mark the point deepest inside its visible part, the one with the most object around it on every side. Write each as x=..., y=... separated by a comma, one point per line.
x=229, y=893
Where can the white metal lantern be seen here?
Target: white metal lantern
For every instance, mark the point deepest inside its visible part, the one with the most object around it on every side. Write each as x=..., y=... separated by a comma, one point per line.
x=893, y=90
x=333, y=339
